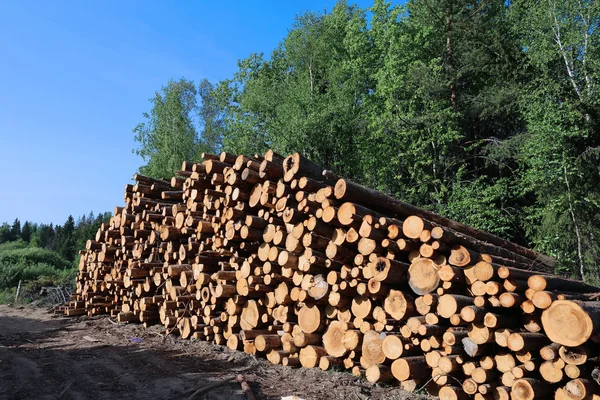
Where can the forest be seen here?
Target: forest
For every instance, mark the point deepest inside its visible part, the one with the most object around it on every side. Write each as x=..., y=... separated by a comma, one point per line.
x=484, y=111
x=42, y=254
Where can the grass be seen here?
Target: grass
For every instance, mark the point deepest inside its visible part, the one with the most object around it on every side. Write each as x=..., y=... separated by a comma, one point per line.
x=7, y=296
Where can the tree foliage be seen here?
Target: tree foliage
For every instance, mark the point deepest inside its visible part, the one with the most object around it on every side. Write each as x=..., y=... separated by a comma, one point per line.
x=170, y=133
x=46, y=252
x=485, y=111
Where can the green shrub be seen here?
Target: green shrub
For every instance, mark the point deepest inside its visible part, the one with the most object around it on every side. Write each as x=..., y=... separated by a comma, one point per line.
x=31, y=256
x=44, y=274
x=8, y=295
x=19, y=244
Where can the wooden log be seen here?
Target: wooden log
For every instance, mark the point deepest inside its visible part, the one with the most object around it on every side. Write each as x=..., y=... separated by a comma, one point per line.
x=546, y=282
x=298, y=165
x=574, y=371
x=449, y=364
x=352, y=339
x=529, y=389
x=390, y=271
x=407, y=368
x=333, y=338
x=349, y=191
x=379, y=373
x=392, y=347
x=266, y=343
x=469, y=386
x=361, y=306
x=452, y=393
x=473, y=349
x=399, y=305
x=501, y=393
x=372, y=350
x=581, y=388
x=482, y=375
x=473, y=313
x=575, y=355
x=327, y=362
x=423, y=276
x=571, y=323
x=550, y=373
x=480, y=334
x=461, y=256
x=310, y=355
x=450, y=304
x=526, y=341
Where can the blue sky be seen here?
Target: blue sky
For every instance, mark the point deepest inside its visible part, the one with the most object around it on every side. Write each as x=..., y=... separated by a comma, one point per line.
x=75, y=77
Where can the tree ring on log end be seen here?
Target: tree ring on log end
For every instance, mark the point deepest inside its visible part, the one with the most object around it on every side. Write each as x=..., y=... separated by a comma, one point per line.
x=423, y=276
x=346, y=213
x=566, y=323
x=309, y=318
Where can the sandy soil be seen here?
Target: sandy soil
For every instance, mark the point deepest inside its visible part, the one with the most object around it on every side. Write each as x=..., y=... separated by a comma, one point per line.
x=47, y=357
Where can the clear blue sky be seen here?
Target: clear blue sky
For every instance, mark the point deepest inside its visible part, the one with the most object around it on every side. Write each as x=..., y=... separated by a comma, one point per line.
x=75, y=77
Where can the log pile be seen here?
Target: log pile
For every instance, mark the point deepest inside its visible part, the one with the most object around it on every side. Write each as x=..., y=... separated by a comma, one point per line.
x=278, y=257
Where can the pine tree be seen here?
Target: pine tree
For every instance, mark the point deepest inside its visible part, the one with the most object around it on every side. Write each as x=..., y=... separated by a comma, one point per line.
x=66, y=240
x=15, y=230
x=26, y=232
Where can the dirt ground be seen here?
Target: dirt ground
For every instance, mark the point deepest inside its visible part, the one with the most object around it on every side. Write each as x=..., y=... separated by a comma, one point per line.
x=47, y=357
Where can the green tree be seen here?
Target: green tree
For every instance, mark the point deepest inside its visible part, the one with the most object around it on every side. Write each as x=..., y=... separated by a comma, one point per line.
x=5, y=234
x=484, y=111
x=561, y=107
x=306, y=96
x=15, y=230
x=443, y=99
x=211, y=118
x=44, y=237
x=168, y=136
x=26, y=232
x=66, y=240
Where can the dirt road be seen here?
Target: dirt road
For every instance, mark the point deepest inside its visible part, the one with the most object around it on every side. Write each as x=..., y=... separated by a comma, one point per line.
x=45, y=357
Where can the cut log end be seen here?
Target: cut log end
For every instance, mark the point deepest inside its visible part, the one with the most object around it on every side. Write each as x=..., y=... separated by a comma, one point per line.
x=423, y=276
x=566, y=323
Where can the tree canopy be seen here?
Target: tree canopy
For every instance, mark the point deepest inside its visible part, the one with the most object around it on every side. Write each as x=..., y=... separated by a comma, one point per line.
x=485, y=111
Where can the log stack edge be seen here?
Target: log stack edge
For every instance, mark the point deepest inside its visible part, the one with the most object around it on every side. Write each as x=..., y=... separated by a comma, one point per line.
x=276, y=256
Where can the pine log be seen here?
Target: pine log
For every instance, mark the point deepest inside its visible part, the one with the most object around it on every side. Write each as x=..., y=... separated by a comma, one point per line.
x=350, y=191
x=423, y=276
x=571, y=323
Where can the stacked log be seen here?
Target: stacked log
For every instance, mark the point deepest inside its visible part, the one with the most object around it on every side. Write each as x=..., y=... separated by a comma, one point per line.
x=280, y=258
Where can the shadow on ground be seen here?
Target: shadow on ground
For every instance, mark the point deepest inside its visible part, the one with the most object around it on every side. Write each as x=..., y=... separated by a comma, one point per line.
x=95, y=359
x=36, y=364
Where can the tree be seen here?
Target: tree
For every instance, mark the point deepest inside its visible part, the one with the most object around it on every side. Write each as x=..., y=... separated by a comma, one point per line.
x=306, y=97
x=484, y=111
x=211, y=118
x=26, y=232
x=47, y=237
x=561, y=107
x=243, y=132
x=86, y=228
x=15, y=230
x=440, y=95
x=5, y=233
x=168, y=136
x=65, y=239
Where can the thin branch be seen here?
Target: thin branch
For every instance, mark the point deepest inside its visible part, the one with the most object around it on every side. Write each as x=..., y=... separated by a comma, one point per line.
x=586, y=29
x=557, y=38
x=577, y=233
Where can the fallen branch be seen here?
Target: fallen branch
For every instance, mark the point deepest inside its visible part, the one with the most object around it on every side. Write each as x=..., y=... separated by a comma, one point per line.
x=245, y=387
x=211, y=386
